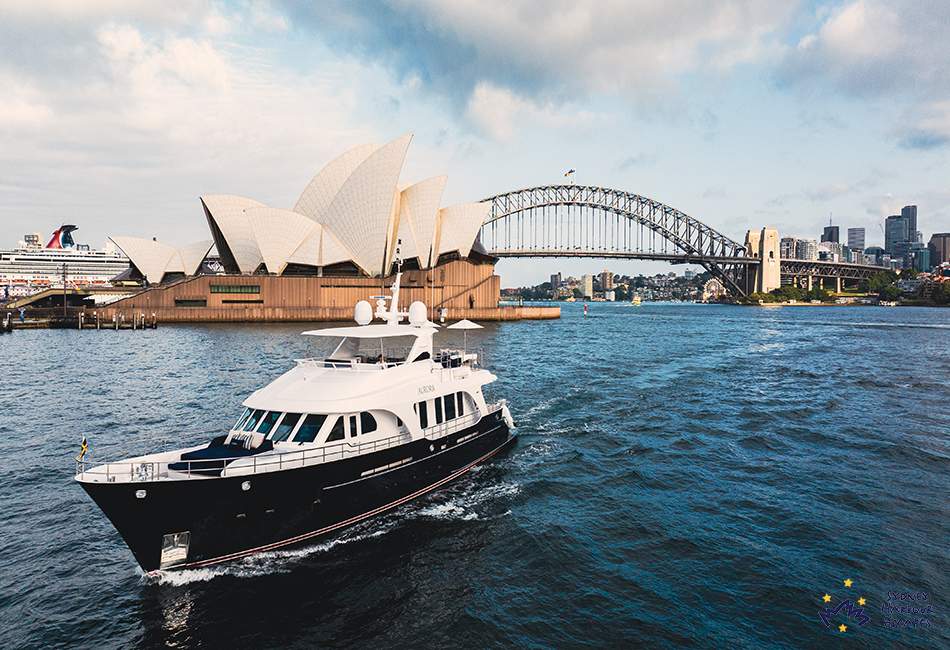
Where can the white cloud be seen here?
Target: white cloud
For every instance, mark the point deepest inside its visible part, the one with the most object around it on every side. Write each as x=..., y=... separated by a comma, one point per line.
x=828, y=192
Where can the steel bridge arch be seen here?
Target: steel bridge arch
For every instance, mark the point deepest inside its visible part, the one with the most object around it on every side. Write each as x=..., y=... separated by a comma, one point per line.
x=724, y=258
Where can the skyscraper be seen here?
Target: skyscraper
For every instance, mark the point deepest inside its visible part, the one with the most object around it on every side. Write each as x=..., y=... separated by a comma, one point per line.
x=830, y=234
x=607, y=281
x=555, y=280
x=856, y=238
x=909, y=212
x=939, y=248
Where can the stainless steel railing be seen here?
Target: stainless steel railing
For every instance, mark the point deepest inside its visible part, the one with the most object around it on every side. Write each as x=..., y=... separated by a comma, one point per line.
x=139, y=470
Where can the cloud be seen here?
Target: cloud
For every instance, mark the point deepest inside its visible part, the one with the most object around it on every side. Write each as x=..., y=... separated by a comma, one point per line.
x=717, y=192
x=639, y=160
x=552, y=51
x=828, y=192
x=877, y=49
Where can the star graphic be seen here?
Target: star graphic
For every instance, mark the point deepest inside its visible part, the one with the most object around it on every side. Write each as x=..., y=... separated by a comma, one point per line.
x=847, y=583
x=826, y=598
x=842, y=627
x=861, y=602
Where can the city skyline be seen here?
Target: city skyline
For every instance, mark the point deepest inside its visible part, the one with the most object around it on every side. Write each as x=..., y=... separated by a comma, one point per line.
x=118, y=116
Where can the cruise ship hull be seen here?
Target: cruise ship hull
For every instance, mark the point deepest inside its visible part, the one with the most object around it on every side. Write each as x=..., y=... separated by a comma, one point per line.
x=232, y=516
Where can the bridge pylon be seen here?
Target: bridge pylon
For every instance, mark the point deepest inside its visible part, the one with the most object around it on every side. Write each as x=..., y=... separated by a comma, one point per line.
x=764, y=245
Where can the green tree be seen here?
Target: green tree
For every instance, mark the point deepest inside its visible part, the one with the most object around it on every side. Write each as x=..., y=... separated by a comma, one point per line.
x=787, y=293
x=889, y=294
x=941, y=294
x=577, y=294
x=880, y=280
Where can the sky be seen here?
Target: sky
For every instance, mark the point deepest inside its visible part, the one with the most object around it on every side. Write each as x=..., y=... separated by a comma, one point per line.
x=116, y=115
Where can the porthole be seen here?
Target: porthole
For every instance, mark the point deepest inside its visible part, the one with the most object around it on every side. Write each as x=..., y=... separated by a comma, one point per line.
x=140, y=494
x=246, y=485
x=431, y=447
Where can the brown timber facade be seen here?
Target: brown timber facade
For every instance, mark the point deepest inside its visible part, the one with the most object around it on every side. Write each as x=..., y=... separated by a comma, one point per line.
x=464, y=289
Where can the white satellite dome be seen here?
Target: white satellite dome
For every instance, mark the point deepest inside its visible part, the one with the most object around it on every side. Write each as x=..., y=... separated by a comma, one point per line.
x=363, y=312
x=417, y=313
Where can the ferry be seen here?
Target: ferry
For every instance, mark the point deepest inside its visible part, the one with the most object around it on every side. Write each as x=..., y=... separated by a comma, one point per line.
x=384, y=419
x=32, y=267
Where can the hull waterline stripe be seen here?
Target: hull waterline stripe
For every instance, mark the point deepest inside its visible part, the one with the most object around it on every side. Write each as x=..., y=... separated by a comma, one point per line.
x=342, y=524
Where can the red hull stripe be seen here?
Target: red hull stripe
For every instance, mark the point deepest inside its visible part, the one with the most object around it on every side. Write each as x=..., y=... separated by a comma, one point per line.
x=342, y=524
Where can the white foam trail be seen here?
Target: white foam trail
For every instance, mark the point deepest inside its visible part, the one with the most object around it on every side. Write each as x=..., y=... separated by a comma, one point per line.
x=259, y=564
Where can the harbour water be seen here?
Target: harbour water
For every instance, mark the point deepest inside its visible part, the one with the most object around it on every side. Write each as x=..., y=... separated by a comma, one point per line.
x=687, y=476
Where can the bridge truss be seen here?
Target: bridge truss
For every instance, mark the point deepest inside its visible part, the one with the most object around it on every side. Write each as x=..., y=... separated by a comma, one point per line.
x=586, y=221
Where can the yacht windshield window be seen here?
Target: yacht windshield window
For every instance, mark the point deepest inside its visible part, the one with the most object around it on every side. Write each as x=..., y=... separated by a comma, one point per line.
x=309, y=429
x=242, y=419
x=282, y=432
x=268, y=422
x=352, y=426
x=336, y=433
x=367, y=422
x=423, y=415
x=438, y=410
x=461, y=403
x=253, y=420
x=450, y=407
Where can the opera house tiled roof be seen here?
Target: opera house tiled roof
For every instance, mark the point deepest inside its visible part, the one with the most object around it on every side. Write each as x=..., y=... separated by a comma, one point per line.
x=351, y=215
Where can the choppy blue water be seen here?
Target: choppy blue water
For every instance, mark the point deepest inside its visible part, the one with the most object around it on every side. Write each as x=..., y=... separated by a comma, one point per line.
x=686, y=476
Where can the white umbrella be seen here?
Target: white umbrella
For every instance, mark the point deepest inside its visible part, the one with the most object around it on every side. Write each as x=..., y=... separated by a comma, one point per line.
x=465, y=324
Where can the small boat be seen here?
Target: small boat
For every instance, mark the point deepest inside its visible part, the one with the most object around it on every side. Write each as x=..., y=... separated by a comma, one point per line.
x=330, y=443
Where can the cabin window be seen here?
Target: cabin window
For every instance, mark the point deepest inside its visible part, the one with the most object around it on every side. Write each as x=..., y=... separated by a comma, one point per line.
x=423, y=415
x=399, y=422
x=268, y=422
x=243, y=419
x=253, y=420
x=352, y=420
x=336, y=433
x=438, y=410
x=286, y=426
x=461, y=403
x=450, y=407
x=367, y=423
x=309, y=429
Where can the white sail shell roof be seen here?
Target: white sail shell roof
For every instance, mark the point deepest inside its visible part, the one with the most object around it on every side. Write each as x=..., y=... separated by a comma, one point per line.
x=359, y=214
x=319, y=194
x=150, y=257
x=419, y=212
x=354, y=210
x=193, y=254
x=227, y=210
x=279, y=234
x=459, y=227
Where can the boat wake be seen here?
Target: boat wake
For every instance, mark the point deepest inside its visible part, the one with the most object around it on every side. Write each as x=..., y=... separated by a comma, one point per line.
x=463, y=503
x=265, y=562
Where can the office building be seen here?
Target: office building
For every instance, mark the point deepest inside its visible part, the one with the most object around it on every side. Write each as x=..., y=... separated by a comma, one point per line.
x=555, y=280
x=830, y=234
x=587, y=286
x=806, y=249
x=856, y=238
x=788, y=248
x=939, y=248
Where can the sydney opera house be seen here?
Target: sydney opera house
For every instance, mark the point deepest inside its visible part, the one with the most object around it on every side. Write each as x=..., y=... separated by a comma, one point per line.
x=336, y=246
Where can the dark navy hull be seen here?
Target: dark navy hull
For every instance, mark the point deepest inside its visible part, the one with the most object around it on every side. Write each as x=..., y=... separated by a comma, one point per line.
x=287, y=507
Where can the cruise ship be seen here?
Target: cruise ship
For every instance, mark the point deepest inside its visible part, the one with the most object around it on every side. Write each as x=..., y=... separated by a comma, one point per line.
x=32, y=267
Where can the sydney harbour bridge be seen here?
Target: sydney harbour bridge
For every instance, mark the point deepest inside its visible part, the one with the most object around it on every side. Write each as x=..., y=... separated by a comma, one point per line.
x=599, y=222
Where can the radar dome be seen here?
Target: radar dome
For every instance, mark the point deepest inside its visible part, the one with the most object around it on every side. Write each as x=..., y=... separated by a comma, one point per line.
x=417, y=313
x=363, y=312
